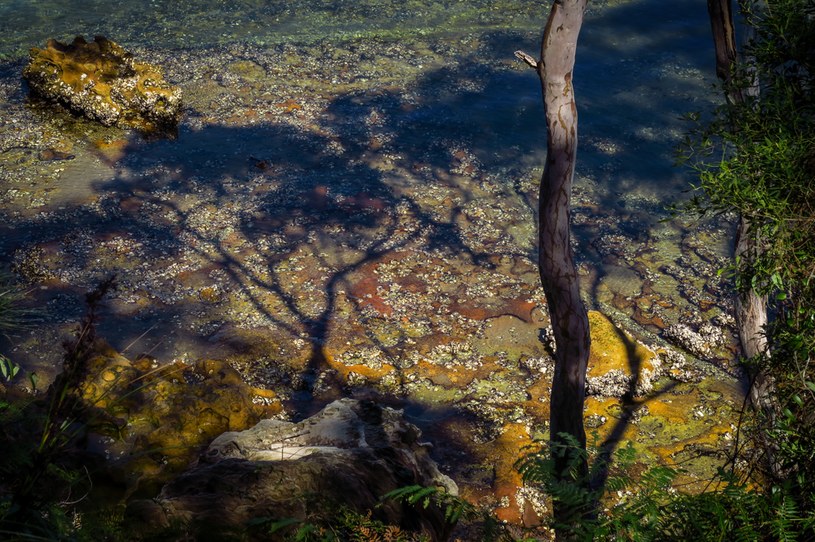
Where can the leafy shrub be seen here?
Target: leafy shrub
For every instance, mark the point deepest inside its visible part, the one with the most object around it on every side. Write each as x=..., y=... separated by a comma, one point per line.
x=645, y=507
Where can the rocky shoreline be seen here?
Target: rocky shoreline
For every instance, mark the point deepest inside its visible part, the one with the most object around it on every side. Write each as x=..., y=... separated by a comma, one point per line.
x=336, y=220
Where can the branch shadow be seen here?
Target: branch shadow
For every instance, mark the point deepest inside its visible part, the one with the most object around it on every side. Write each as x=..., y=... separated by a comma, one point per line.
x=630, y=403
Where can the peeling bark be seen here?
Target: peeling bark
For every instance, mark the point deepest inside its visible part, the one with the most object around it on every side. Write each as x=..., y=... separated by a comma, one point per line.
x=556, y=261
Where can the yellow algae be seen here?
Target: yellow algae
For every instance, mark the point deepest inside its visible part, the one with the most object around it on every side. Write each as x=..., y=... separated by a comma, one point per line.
x=681, y=426
x=512, y=444
x=618, y=364
x=111, y=150
x=614, y=349
x=106, y=372
x=610, y=413
x=162, y=416
x=264, y=393
x=599, y=409
x=209, y=294
x=673, y=408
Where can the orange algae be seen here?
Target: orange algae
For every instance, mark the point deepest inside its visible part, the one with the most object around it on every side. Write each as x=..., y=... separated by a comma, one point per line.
x=512, y=444
x=370, y=373
x=289, y=105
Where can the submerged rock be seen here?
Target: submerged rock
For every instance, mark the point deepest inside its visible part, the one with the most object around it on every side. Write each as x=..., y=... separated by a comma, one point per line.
x=348, y=455
x=103, y=82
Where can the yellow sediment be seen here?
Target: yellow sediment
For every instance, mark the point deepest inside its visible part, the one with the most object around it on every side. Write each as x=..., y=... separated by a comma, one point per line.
x=614, y=349
x=508, y=448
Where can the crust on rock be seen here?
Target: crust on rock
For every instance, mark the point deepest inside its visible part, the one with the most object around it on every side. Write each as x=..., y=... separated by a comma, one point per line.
x=103, y=82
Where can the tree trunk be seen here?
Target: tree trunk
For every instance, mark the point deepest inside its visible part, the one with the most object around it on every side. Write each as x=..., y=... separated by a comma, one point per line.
x=556, y=262
x=751, y=308
x=751, y=319
x=724, y=41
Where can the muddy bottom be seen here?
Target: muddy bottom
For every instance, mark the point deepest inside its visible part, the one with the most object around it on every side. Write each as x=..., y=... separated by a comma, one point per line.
x=357, y=218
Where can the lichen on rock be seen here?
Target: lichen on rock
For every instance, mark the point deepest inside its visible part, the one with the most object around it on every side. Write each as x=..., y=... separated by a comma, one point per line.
x=103, y=82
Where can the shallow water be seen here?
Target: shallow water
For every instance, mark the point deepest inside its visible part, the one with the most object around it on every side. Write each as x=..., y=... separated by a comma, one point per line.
x=201, y=23
x=349, y=203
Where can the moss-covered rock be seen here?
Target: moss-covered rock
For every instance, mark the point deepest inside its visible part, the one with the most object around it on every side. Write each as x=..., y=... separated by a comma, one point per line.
x=154, y=420
x=103, y=82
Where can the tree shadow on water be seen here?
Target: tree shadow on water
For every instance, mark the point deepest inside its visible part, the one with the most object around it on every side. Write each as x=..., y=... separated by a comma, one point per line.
x=266, y=232
x=630, y=403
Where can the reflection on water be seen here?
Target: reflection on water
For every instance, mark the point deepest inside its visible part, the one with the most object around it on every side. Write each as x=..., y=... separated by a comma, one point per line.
x=350, y=201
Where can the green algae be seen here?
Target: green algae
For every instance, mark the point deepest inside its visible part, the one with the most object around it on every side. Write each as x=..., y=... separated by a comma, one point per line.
x=434, y=395
x=511, y=336
x=499, y=386
x=247, y=69
x=185, y=23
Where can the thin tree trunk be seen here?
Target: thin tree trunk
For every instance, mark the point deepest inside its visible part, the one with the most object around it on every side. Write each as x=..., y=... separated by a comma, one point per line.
x=751, y=308
x=556, y=262
x=724, y=41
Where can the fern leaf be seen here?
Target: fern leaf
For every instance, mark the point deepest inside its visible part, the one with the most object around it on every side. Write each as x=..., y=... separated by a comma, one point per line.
x=402, y=492
x=422, y=494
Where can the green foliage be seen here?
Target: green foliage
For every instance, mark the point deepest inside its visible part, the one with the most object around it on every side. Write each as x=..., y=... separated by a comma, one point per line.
x=43, y=469
x=13, y=315
x=455, y=509
x=571, y=489
x=643, y=506
x=8, y=369
x=640, y=500
x=344, y=525
x=756, y=159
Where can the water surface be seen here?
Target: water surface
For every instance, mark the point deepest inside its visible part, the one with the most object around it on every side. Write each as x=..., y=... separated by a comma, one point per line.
x=350, y=201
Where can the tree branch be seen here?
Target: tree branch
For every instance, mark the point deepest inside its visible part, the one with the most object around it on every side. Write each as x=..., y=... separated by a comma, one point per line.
x=528, y=59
